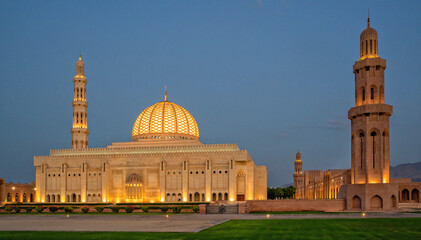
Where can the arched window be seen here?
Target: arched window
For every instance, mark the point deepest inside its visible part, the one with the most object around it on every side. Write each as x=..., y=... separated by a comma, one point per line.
x=219, y=196
x=134, y=187
x=376, y=202
x=372, y=93
x=415, y=196
x=371, y=46
x=374, y=134
x=393, y=201
x=366, y=48
x=214, y=197
x=356, y=202
x=405, y=195
x=226, y=196
x=375, y=46
x=362, y=148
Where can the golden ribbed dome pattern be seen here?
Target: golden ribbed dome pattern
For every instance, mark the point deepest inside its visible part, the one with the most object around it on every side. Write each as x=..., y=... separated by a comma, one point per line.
x=165, y=120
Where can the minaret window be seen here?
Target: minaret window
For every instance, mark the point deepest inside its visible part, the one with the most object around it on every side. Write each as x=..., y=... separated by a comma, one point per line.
x=375, y=46
x=362, y=148
x=372, y=93
x=371, y=46
x=366, y=48
x=374, y=134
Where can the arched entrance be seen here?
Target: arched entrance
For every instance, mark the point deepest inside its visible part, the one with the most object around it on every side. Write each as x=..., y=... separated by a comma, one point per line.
x=241, y=185
x=415, y=196
x=53, y=198
x=47, y=199
x=214, y=197
x=24, y=198
x=393, y=201
x=196, y=197
x=376, y=203
x=31, y=197
x=405, y=195
x=134, y=188
x=356, y=202
x=73, y=197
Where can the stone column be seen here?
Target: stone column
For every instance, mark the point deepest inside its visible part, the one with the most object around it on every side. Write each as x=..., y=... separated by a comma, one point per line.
x=208, y=180
x=43, y=186
x=63, y=184
x=162, y=181
x=104, y=182
x=185, y=180
x=232, y=176
x=83, y=182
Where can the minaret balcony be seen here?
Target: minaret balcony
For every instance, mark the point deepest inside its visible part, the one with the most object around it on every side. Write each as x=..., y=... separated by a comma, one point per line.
x=370, y=108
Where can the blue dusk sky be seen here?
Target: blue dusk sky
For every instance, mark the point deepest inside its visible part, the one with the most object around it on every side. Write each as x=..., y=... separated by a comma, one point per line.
x=270, y=76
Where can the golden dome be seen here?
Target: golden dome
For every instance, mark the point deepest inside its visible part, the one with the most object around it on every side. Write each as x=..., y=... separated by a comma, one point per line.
x=165, y=120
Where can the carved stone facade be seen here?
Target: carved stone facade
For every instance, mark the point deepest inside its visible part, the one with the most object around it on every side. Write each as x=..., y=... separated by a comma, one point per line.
x=165, y=162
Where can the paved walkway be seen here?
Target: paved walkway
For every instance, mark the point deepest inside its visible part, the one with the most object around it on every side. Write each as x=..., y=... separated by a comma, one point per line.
x=150, y=223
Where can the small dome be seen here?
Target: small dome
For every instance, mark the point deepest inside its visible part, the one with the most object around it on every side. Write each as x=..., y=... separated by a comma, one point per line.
x=166, y=121
x=368, y=32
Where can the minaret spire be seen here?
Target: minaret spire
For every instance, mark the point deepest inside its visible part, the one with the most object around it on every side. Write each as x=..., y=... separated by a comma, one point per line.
x=368, y=19
x=165, y=92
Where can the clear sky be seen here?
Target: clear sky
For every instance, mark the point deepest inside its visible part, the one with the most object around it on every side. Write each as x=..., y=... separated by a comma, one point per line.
x=271, y=76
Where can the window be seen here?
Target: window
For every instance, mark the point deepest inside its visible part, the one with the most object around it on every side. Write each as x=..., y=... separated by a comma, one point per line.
x=366, y=48
x=374, y=134
x=362, y=148
x=372, y=93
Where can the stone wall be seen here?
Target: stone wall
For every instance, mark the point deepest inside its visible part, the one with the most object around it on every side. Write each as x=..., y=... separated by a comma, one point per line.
x=328, y=205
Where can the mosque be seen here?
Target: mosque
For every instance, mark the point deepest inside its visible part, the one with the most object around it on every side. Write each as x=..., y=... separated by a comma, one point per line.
x=367, y=185
x=164, y=162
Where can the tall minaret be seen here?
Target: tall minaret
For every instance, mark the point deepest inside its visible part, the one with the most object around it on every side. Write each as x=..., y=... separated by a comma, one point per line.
x=370, y=116
x=298, y=176
x=80, y=131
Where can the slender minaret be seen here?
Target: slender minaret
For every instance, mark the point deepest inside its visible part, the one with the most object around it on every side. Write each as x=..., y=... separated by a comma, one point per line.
x=80, y=131
x=370, y=116
x=298, y=176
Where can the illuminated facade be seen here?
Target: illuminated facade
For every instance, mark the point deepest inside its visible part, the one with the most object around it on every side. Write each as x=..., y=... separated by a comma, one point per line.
x=367, y=185
x=165, y=162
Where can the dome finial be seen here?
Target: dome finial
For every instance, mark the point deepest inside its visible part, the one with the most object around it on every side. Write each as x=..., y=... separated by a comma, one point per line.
x=165, y=92
x=80, y=55
x=368, y=19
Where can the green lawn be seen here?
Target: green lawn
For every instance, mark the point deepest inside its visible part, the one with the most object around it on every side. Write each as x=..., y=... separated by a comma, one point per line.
x=380, y=228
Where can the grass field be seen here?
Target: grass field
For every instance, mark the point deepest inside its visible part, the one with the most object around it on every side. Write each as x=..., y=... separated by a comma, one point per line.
x=379, y=228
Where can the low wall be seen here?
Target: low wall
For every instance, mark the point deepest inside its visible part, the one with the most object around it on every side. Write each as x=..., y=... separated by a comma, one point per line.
x=327, y=205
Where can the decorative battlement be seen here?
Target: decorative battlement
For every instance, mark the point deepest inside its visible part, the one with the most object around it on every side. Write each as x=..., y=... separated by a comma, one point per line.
x=94, y=152
x=370, y=108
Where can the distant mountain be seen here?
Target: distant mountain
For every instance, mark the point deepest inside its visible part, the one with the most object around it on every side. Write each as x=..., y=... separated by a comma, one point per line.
x=407, y=170
x=287, y=185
